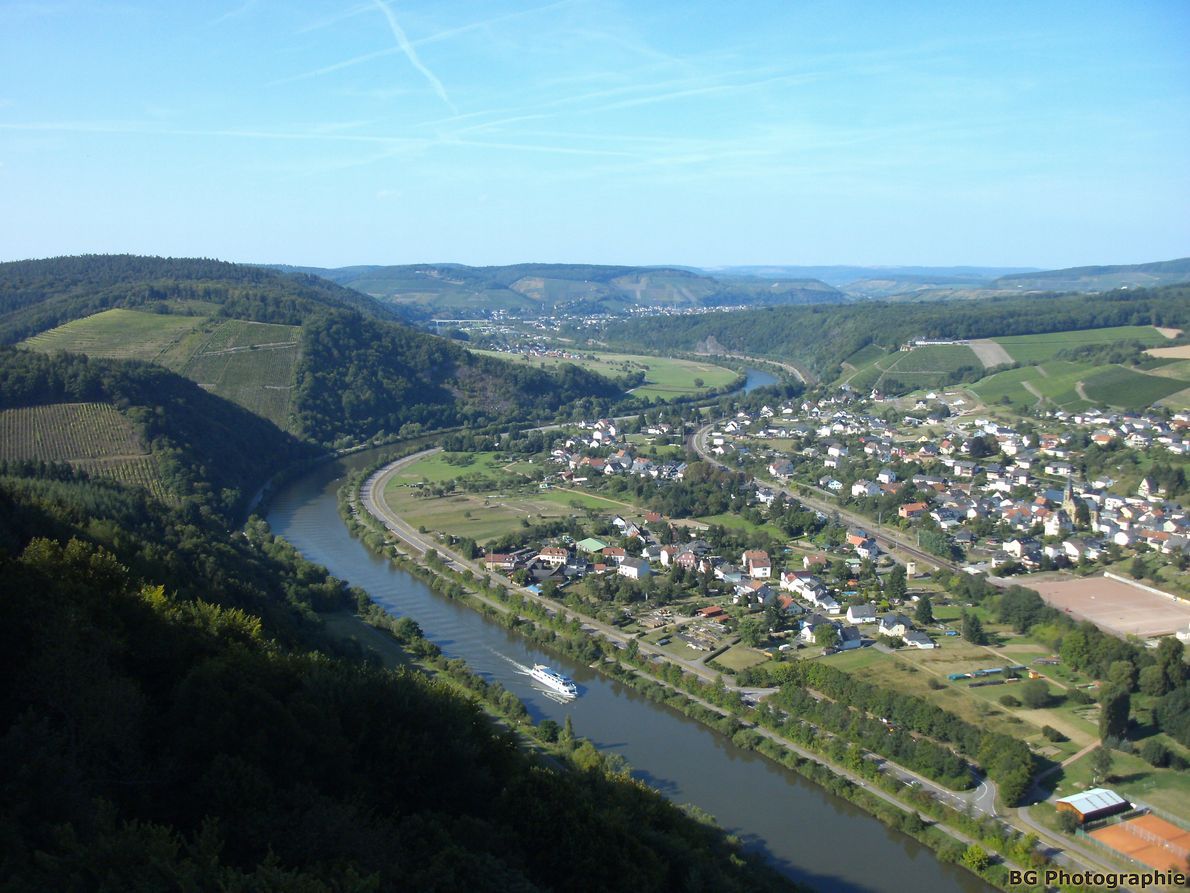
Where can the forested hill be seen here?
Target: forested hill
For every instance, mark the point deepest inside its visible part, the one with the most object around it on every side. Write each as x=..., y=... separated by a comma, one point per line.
x=36, y=295
x=447, y=290
x=172, y=716
x=360, y=377
x=823, y=336
x=1101, y=278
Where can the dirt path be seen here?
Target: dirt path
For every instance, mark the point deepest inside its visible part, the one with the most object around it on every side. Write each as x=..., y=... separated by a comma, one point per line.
x=991, y=354
x=1028, y=386
x=1082, y=392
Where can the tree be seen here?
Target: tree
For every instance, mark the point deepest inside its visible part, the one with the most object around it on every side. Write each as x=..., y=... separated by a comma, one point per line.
x=1035, y=693
x=1113, y=715
x=752, y=631
x=1067, y=822
x=973, y=629
x=1101, y=763
x=1155, y=753
x=925, y=611
x=1122, y=674
x=826, y=635
x=976, y=858
x=566, y=736
x=1137, y=568
x=1082, y=515
x=896, y=582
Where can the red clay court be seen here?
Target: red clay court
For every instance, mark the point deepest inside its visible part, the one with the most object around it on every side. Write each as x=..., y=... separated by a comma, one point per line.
x=1117, y=607
x=1148, y=839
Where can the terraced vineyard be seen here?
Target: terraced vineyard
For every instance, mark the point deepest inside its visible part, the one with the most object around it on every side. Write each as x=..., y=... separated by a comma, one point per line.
x=250, y=363
x=93, y=437
x=118, y=334
x=926, y=366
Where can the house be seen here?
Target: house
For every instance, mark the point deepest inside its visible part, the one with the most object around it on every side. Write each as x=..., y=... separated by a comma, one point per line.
x=915, y=639
x=634, y=568
x=758, y=564
x=861, y=614
x=861, y=489
x=782, y=469
x=496, y=561
x=912, y=510
x=614, y=555
x=849, y=638
x=895, y=625
x=555, y=556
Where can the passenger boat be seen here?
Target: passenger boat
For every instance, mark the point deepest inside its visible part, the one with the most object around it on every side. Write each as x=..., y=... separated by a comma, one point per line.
x=550, y=677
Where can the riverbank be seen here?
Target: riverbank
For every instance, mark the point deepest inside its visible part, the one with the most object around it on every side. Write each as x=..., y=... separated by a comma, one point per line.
x=553, y=625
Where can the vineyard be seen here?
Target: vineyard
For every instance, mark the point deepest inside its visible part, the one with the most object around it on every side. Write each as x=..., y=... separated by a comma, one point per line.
x=93, y=437
x=249, y=363
x=118, y=334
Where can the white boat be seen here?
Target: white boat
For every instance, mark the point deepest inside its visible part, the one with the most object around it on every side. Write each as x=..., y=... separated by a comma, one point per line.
x=550, y=677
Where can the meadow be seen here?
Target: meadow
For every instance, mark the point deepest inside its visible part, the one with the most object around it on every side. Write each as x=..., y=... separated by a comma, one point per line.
x=665, y=377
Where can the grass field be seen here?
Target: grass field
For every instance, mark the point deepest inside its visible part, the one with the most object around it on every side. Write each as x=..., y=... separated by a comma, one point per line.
x=249, y=363
x=442, y=467
x=1038, y=348
x=739, y=657
x=737, y=522
x=664, y=376
x=118, y=334
x=93, y=437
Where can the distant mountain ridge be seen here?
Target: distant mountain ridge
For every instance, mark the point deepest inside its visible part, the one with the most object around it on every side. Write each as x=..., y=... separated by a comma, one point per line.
x=444, y=289
x=1167, y=272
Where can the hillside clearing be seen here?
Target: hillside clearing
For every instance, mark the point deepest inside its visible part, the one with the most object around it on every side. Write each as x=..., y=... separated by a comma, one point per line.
x=1039, y=348
x=117, y=334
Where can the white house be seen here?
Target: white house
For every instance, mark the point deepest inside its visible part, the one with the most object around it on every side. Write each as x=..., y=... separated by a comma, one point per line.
x=861, y=614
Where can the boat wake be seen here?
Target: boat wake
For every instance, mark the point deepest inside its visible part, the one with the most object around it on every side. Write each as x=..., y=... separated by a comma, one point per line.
x=541, y=682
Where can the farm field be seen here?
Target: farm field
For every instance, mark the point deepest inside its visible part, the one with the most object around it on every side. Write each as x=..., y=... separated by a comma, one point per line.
x=249, y=363
x=1118, y=386
x=118, y=334
x=1038, y=348
x=1070, y=385
x=665, y=377
x=739, y=657
x=923, y=366
x=92, y=437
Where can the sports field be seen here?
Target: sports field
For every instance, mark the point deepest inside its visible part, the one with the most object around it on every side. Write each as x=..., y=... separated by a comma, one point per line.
x=1150, y=840
x=1118, y=607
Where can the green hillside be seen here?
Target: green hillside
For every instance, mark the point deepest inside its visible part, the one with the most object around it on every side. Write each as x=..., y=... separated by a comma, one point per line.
x=1063, y=384
x=309, y=356
x=922, y=367
x=206, y=450
x=176, y=715
x=1101, y=278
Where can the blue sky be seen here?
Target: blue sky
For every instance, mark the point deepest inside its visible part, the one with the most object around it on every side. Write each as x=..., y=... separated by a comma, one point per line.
x=491, y=131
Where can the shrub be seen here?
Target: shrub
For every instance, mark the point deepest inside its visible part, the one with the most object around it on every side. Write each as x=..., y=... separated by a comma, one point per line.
x=1155, y=753
x=1053, y=734
x=1009, y=701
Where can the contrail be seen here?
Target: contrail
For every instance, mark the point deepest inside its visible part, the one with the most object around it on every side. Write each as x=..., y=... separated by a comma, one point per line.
x=407, y=49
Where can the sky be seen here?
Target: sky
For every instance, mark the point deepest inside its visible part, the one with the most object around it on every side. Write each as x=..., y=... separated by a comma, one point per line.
x=699, y=133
